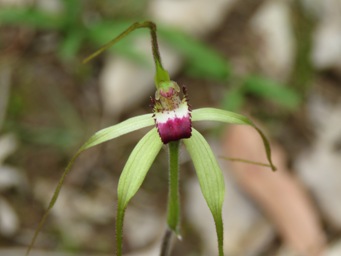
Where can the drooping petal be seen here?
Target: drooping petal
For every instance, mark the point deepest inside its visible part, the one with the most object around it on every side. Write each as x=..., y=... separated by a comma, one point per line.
x=99, y=137
x=210, y=178
x=133, y=175
x=213, y=114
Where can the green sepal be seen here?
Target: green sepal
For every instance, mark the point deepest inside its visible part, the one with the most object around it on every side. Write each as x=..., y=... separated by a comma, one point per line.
x=133, y=175
x=117, y=130
x=127, y=126
x=210, y=178
x=213, y=114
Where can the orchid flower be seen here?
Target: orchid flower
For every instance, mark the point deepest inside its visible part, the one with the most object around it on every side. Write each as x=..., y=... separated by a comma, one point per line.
x=171, y=123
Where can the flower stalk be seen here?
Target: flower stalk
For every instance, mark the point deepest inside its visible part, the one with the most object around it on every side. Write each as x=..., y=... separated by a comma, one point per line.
x=173, y=217
x=172, y=120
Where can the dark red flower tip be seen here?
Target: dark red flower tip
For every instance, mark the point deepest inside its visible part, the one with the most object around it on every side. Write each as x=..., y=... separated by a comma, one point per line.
x=175, y=129
x=172, y=115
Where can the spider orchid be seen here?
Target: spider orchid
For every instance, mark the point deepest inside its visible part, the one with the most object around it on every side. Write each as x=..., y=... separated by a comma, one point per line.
x=171, y=123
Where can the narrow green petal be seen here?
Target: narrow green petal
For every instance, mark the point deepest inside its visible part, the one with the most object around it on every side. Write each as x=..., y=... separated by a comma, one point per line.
x=210, y=178
x=233, y=159
x=213, y=114
x=117, y=130
x=101, y=136
x=133, y=175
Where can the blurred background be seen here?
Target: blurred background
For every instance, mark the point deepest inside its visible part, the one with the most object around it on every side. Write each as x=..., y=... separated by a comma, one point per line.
x=276, y=61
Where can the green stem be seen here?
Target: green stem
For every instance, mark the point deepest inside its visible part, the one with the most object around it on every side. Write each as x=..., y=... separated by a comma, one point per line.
x=218, y=220
x=161, y=74
x=173, y=196
x=119, y=230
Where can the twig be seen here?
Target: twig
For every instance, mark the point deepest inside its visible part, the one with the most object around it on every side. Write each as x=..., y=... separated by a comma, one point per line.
x=166, y=243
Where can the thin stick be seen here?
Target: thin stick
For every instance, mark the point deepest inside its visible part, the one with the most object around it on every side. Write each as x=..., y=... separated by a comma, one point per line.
x=166, y=243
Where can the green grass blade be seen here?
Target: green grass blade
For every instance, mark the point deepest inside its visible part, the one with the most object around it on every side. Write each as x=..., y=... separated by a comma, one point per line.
x=234, y=99
x=210, y=178
x=213, y=114
x=70, y=45
x=101, y=136
x=133, y=175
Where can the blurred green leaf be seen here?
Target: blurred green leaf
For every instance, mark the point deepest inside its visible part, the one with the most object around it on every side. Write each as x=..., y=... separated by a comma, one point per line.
x=272, y=91
x=73, y=10
x=57, y=137
x=203, y=61
x=70, y=46
x=233, y=99
x=30, y=17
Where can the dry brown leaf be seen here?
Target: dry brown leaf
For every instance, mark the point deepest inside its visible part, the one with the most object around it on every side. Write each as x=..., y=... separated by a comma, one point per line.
x=279, y=194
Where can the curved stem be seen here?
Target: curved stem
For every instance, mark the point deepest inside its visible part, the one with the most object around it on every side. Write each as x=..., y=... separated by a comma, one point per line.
x=161, y=74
